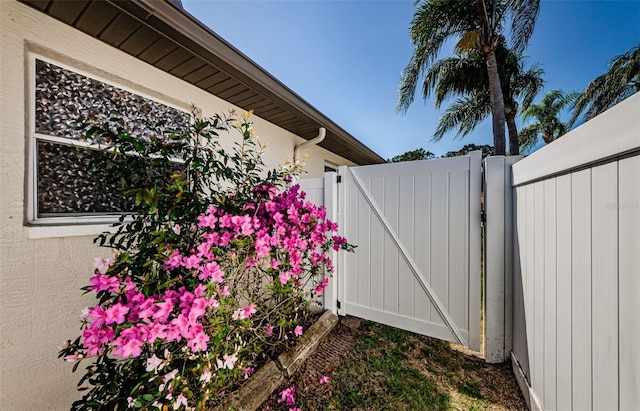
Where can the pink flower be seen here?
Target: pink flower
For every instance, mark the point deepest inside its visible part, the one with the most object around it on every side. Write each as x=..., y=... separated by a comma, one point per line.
x=224, y=292
x=97, y=314
x=244, y=312
x=102, y=265
x=154, y=364
x=207, y=221
x=228, y=361
x=174, y=261
x=164, y=309
x=181, y=323
x=298, y=331
x=324, y=380
x=284, y=277
x=338, y=241
x=206, y=376
x=101, y=282
x=247, y=372
x=198, y=309
x=180, y=400
x=322, y=285
x=169, y=376
x=268, y=329
x=249, y=310
x=132, y=348
x=176, y=229
x=191, y=261
x=199, y=342
x=212, y=272
x=225, y=221
x=287, y=397
x=73, y=357
x=115, y=314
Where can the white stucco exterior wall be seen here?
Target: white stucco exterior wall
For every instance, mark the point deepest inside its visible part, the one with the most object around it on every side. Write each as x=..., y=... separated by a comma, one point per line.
x=40, y=278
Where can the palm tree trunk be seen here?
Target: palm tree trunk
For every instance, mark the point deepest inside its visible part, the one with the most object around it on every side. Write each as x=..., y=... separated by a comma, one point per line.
x=497, y=103
x=514, y=144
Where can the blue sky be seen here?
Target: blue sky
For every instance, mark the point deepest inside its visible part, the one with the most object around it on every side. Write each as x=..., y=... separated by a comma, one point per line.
x=345, y=57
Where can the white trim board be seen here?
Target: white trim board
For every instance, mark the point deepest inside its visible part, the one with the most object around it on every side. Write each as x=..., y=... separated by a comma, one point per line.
x=613, y=132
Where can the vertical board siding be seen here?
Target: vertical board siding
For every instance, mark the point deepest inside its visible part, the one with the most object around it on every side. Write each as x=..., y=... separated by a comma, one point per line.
x=581, y=286
x=349, y=291
x=426, y=205
x=406, y=228
x=369, y=257
x=564, y=294
x=576, y=308
x=604, y=248
x=439, y=239
x=389, y=205
x=550, y=286
x=628, y=207
x=520, y=341
x=458, y=240
x=529, y=279
x=538, y=287
x=583, y=261
x=422, y=214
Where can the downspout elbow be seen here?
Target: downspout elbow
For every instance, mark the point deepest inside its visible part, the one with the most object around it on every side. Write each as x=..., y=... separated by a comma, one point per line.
x=322, y=133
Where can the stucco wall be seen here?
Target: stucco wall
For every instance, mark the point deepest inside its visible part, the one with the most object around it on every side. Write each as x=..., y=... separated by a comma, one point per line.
x=40, y=300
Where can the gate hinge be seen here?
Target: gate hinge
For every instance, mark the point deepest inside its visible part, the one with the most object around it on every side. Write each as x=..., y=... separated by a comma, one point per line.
x=339, y=179
x=338, y=303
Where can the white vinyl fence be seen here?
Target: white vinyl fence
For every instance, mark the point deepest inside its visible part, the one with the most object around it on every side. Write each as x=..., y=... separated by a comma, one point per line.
x=562, y=258
x=576, y=284
x=417, y=228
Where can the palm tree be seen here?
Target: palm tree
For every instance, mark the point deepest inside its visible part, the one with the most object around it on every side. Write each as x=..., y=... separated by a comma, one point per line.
x=548, y=125
x=466, y=76
x=619, y=82
x=475, y=24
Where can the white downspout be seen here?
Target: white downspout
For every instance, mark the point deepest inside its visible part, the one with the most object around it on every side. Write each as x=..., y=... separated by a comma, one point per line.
x=322, y=132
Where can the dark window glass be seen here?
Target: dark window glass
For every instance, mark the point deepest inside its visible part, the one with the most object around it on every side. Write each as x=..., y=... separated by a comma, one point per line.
x=68, y=183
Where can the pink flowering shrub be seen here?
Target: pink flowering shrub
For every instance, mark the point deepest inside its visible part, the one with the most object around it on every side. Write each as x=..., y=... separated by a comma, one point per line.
x=208, y=279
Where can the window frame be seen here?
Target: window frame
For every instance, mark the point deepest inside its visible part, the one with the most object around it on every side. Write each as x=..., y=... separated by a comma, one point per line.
x=36, y=223
x=331, y=166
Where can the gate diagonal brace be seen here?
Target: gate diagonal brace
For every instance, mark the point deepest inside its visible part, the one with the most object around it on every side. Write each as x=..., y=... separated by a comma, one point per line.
x=414, y=267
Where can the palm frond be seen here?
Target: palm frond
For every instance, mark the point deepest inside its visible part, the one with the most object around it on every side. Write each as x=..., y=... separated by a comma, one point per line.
x=465, y=114
x=468, y=41
x=528, y=137
x=524, y=16
x=621, y=80
x=529, y=84
x=432, y=24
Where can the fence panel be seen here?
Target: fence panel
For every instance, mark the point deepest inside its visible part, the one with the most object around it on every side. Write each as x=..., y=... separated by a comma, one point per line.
x=577, y=235
x=416, y=225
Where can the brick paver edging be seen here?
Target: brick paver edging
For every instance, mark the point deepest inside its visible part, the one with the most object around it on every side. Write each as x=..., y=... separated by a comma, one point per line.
x=262, y=384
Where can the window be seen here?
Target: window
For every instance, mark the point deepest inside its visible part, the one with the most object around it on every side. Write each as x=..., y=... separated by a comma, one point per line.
x=65, y=188
x=329, y=167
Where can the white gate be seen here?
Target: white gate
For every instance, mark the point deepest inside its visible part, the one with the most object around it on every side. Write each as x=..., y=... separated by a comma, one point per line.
x=417, y=230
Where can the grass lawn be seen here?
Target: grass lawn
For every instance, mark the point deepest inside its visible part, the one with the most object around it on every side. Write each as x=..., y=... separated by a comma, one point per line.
x=375, y=367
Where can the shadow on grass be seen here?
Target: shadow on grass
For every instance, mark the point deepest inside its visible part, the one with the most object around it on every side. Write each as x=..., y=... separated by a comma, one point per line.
x=391, y=369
